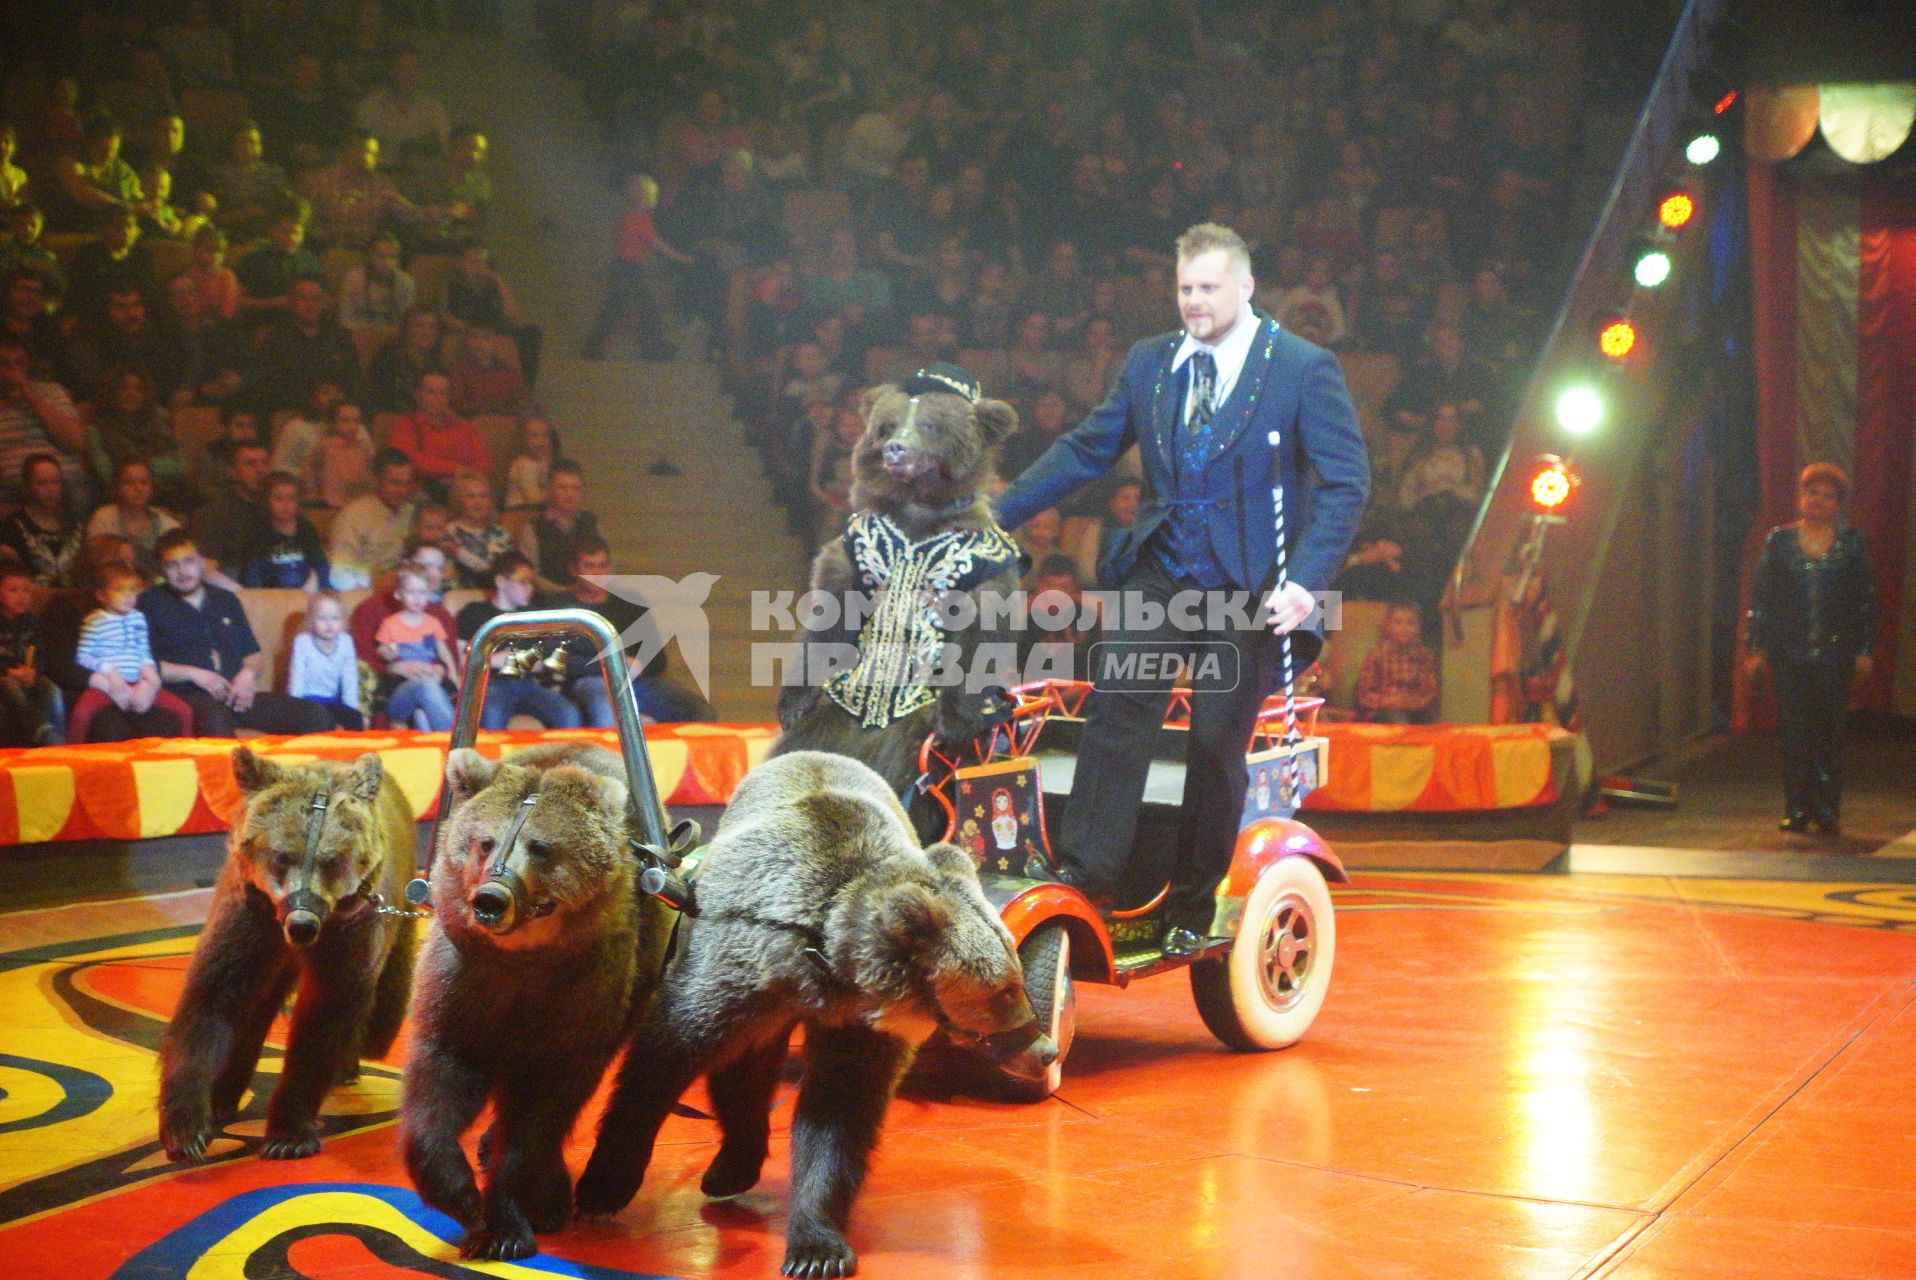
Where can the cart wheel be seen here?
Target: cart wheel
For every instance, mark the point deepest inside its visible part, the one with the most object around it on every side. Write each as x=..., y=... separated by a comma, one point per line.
x=1046, y=956
x=1266, y=992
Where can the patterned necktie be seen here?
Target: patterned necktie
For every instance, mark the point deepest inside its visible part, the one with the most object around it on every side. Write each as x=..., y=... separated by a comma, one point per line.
x=1203, y=390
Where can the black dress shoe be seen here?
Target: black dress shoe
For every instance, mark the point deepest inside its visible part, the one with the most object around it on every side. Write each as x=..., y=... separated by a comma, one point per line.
x=1795, y=822
x=1180, y=942
x=1036, y=868
x=1826, y=826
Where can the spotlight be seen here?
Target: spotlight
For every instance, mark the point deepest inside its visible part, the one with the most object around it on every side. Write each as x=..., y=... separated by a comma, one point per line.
x=1702, y=149
x=1652, y=269
x=1579, y=410
x=1550, y=484
x=1676, y=211
x=1724, y=103
x=1617, y=339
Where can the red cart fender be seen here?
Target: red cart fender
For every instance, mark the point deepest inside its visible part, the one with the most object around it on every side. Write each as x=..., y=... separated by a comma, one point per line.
x=1268, y=840
x=1041, y=904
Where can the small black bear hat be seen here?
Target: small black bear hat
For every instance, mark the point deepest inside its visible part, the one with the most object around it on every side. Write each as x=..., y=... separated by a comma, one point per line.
x=946, y=378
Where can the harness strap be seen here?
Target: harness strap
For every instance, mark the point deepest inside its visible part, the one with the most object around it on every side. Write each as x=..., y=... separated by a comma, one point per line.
x=498, y=870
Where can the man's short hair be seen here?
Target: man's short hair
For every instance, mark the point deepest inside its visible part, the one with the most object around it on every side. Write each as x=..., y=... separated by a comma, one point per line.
x=114, y=574
x=39, y=457
x=173, y=540
x=509, y=563
x=565, y=467
x=387, y=458
x=1206, y=236
x=1057, y=565
x=277, y=479
x=589, y=544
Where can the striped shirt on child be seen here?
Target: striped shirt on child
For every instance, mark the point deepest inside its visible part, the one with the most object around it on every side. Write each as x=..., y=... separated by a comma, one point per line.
x=115, y=641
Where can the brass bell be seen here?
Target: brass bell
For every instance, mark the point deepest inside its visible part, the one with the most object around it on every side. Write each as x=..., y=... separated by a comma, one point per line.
x=552, y=670
x=520, y=663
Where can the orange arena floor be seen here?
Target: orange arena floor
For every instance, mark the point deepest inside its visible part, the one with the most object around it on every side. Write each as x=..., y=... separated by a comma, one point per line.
x=1571, y=1076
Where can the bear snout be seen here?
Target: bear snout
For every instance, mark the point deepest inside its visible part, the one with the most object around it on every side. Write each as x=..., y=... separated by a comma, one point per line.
x=302, y=928
x=493, y=906
x=900, y=462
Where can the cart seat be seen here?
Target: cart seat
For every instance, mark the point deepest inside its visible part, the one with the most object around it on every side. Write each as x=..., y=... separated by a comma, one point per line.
x=1164, y=785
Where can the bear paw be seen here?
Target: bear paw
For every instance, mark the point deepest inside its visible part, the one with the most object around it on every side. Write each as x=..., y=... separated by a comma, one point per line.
x=499, y=1246
x=187, y=1148
x=818, y=1253
x=603, y=1190
x=731, y=1173
x=296, y=1148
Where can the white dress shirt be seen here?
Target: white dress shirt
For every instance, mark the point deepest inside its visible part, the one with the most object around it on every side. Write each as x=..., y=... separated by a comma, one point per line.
x=1230, y=355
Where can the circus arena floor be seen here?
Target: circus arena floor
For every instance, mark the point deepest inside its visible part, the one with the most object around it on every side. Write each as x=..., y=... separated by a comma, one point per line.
x=1584, y=1075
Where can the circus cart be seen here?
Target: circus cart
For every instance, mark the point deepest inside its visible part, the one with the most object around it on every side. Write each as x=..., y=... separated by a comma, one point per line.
x=1261, y=983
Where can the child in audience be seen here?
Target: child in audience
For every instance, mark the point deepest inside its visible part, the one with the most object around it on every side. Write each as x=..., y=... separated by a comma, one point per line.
x=531, y=464
x=340, y=467
x=218, y=286
x=325, y=665
x=132, y=514
x=418, y=655
x=117, y=648
x=477, y=538
x=1398, y=681
x=547, y=540
x=158, y=214
x=31, y=712
x=285, y=550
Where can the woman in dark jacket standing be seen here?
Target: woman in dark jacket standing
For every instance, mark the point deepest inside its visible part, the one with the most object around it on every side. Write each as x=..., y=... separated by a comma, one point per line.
x=1812, y=620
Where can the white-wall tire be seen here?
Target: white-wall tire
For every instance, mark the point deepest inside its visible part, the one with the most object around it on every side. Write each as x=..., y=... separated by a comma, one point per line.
x=1266, y=991
x=1046, y=957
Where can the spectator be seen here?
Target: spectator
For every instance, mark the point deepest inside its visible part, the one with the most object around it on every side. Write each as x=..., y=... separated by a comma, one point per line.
x=249, y=188
x=198, y=50
x=1494, y=325
x=13, y=179
x=478, y=298
x=1313, y=310
x=298, y=436
x=370, y=532
x=202, y=352
x=126, y=337
x=268, y=274
x=37, y=419
x=392, y=379
x=32, y=712
x=301, y=349
x=438, y=441
x=845, y=286
x=1090, y=371
x=1031, y=365
x=548, y=537
x=116, y=261
x=24, y=252
x=1398, y=682
x=144, y=91
x=132, y=516
x=1041, y=534
x=417, y=651
x=208, y=655
x=211, y=278
x=352, y=200
x=163, y=155
x=340, y=468
x=431, y=526
x=478, y=540
x=630, y=291
x=364, y=53
x=376, y=291
x=40, y=534
x=284, y=551
x=1374, y=568
x=304, y=120
x=659, y=697
x=1065, y=288
x=380, y=604
x=325, y=664
x=512, y=581
x=531, y=464
x=115, y=648
x=485, y=376
x=61, y=129
x=226, y=526
x=1048, y=422
x=873, y=144
x=1447, y=375
x=1057, y=639
x=126, y=422
x=831, y=471
x=460, y=186
x=94, y=179
x=409, y=125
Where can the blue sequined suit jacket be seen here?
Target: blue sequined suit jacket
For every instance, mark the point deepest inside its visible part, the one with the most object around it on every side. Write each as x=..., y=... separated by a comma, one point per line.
x=1813, y=610
x=1288, y=385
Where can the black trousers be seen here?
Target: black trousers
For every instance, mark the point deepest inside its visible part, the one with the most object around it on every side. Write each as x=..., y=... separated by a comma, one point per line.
x=270, y=713
x=1122, y=722
x=1810, y=699
x=628, y=294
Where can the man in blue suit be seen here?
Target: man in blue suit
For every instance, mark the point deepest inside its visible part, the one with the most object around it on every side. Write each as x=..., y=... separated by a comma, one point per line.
x=1220, y=411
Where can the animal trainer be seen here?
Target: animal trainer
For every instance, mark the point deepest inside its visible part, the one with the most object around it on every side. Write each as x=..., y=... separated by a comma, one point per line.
x=1256, y=476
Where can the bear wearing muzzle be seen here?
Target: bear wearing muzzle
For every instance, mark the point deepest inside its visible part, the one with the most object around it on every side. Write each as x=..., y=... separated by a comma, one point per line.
x=313, y=850
x=814, y=906
x=540, y=949
x=911, y=642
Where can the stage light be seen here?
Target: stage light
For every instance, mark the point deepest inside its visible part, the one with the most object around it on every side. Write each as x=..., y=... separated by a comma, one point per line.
x=1703, y=148
x=1579, y=410
x=1617, y=339
x=1724, y=103
x=1652, y=269
x=1550, y=486
x=1676, y=211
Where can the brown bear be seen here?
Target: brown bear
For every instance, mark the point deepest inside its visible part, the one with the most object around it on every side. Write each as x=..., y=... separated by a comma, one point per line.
x=540, y=949
x=314, y=850
x=814, y=905
x=920, y=536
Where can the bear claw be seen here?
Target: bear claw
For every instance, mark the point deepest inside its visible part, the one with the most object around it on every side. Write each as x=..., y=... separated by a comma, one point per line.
x=289, y=1148
x=499, y=1246
x=190, y=1150
x=819, y=1260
